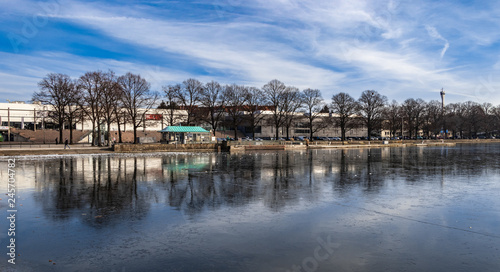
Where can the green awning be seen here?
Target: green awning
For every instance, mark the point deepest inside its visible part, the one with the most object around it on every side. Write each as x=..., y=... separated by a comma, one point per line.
x=184, y=129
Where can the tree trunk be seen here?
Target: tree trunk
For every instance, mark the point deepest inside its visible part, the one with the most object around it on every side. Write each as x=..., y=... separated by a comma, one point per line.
x=70, y=132
x=235, y=131
x=99, y=143
x=120, y=135
x=109, y=133
x=119, y=129
x=310, y=128
x=61, y=124
x=135, y=132
x=93, y=133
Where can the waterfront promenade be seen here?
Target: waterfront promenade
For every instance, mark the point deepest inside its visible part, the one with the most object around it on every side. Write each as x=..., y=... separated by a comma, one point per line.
x=21, y=149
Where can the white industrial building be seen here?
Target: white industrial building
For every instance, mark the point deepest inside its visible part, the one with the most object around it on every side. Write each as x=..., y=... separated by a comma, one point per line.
x=35, y=116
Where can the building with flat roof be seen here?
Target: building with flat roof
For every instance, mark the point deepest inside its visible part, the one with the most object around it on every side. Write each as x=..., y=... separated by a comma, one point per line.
x=36, y=116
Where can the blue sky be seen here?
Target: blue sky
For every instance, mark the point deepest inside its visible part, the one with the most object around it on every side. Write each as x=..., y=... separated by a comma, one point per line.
x=402, y=49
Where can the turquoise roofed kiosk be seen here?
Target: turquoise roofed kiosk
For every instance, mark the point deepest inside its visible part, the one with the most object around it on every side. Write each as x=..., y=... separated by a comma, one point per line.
x=185, y=134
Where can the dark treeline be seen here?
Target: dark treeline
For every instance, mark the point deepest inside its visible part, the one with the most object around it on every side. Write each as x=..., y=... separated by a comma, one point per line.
x=104, y=98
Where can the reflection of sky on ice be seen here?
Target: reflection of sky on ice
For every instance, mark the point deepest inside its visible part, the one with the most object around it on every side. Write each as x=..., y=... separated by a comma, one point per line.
x=420, y=209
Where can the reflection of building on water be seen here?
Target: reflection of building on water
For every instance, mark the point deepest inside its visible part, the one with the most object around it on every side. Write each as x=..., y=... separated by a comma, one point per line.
x=185, y=162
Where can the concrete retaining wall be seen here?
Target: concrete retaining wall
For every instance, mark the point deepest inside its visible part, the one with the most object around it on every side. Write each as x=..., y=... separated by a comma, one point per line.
x=265, y=147
x=164, y=147
x=223, y=146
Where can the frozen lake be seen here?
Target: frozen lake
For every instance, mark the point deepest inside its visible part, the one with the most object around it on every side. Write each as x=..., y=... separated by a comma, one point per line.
x=381, y=209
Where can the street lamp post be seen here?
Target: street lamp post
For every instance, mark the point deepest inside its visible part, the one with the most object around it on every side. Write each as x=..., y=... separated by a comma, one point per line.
x=445, y=135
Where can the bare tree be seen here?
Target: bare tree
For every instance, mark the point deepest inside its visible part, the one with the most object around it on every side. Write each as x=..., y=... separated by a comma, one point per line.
x=56, y=91
x=488, y=119
x=292, y=102
x=172, y=103
x=455, y=118
x=92, y=86
x=213, y=100
x=137, y=99
x=496, y=113
x=74, y=111
x=275, y=92
x=371, y=107
x=119, y=113
x=109, y=101
x=254, y=108
x=344, y=107
x=413, y=110
x=392, y=118
x=432, y=118
x=235, y=96
x=189, y=96
x=313, y=103
x=474, y=115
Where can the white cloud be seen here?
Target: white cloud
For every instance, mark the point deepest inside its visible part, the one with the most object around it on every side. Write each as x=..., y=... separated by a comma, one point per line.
x=221, y=46
x=22, y=76
x=435, y=34
x=330, y=45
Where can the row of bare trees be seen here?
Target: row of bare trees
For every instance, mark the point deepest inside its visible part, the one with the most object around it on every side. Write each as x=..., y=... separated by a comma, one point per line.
x=232, y=105
x=415, y=117
x=100, y=97
x=461, y=120
x=104, y=98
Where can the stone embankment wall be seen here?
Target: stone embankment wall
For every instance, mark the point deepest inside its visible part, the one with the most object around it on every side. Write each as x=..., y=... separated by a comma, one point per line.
x=281, y=145
x=164, y=147
x=256, y=147
x=233, y=148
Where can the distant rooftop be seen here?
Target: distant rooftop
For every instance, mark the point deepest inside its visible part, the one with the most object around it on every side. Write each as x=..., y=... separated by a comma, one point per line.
x=16, y=102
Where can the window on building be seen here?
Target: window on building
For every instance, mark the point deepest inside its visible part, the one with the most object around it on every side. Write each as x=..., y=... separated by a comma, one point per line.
x=302, y=125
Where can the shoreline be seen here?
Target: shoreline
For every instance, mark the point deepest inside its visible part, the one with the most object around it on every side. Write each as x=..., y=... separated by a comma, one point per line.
x=24, y=151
